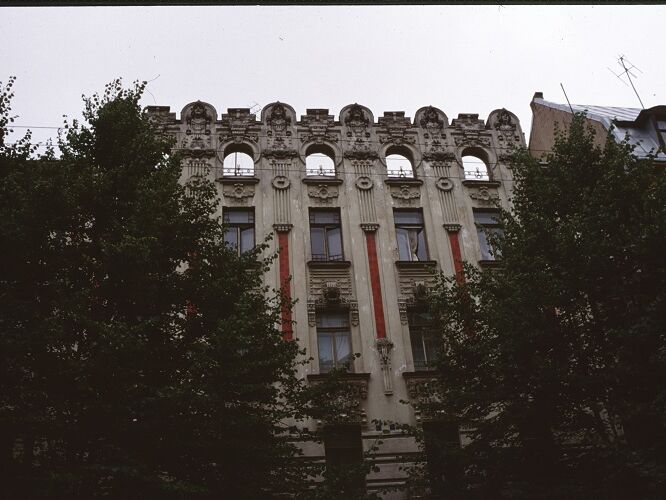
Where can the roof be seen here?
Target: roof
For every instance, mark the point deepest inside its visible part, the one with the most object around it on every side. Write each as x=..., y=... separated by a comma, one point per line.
x=624, y=121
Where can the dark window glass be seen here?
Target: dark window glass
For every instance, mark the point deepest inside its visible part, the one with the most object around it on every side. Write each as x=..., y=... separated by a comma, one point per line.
x=333, y=341
x=421, y=337
x=240, y=228
x=326, y=235
x=410, y=234
x=487, y=223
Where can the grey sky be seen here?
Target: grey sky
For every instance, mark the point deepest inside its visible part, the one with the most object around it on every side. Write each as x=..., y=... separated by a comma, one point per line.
x=462, y=59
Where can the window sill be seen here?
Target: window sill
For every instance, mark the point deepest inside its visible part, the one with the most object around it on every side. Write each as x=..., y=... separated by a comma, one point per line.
x=322, y=179
x=329, y=264
x=402, y=181
x=479, y=183
x=240, y=179
x=415, y=264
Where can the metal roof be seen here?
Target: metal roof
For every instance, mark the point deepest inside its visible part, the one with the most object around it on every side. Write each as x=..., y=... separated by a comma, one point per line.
x=643, y=137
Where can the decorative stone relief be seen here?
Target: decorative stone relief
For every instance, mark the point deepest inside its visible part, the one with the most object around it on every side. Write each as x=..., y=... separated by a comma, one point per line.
x=431, y=121
x=369, y=227
x=423, y=391
x=471, y=138
x=331, y=288
x=405, y=193
x=280, y=182
x=436, y=154
x=359, y=137
x=280, y=144
x=395, y=127
x=239, y=191
x=238, y=125
x=444, y=184
x=484, y=194
x=320, y=126
x=364, y=183
x=198, y=137
x=384, y=347
x=402, y=309
x=323, y=193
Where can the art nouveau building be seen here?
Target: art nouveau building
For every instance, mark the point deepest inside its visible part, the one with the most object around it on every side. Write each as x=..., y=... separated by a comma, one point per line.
x=365, y=211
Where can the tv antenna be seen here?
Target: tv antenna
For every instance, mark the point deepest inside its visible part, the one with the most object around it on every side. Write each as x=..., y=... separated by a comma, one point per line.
x=627, y=71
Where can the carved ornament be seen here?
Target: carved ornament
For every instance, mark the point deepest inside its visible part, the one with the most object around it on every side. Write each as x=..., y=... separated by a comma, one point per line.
x=280, y=182
x=484, y=194
x=239, y=191
x=364, y=183
x=444, y=184
x=323, y=192
x=405, y=193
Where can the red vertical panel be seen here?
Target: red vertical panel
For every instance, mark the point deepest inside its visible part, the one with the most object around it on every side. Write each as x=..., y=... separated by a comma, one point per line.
x=283, y=242
x=375, y=283
x=457, y=257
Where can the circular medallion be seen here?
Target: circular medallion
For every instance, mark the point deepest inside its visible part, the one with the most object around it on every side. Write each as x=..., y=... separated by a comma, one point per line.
x=280, y=182
x=364, y=182
x=444, y=184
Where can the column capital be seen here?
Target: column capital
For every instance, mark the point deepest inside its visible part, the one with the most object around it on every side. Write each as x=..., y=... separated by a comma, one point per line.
x=452, y=227
x=282, y=228
x=369, y=227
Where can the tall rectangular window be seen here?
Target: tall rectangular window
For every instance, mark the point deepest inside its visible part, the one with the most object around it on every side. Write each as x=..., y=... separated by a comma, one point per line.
x=326, y=235
x=421, y=338
x=487, y=223
x=410, y=232
x=333, y=341
x=240, y=228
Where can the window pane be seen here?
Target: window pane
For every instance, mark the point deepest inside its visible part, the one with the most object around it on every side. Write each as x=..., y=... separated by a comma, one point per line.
x=408, y=217
x=485, y=247
x=418, y=349
x=403, y=243
x=475, y=168
x=332, y=320
x=231, y=237
x=319, y=164
x=247, y=239
x=239, y=216
x=399, y=166
x=238, y=164
x=486, y=216
x=422, y=251
x=325, y=347
x=342, y=348
x=317, y=240
x=325, y=217
x=334, y=244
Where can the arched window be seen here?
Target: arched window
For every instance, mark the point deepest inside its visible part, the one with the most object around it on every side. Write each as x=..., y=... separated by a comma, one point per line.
x=399, y=163
x=238, y=161
x=319, y=161
x=475, y=168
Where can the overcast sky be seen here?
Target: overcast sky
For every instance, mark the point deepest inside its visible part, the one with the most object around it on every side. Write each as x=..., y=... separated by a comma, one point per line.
x=462, y=59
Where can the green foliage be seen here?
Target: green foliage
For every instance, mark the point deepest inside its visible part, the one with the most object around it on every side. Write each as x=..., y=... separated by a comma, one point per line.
x=556, y=360
x=139, y=355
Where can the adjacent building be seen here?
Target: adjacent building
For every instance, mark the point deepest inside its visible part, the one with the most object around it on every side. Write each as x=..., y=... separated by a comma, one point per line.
x=365, y=211
x=645, y=129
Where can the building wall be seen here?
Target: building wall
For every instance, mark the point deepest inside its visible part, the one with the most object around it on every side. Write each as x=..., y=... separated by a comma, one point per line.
x=545, y=120
x=376, y=292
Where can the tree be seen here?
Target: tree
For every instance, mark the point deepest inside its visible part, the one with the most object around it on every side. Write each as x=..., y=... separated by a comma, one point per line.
x=555, y=361
x=140, y=354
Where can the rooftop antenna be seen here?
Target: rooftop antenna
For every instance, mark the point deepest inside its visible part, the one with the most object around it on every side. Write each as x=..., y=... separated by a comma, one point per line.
x=567, y=98
x=623, y=61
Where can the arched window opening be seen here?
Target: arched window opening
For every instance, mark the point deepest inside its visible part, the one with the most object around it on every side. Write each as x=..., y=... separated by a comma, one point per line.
x=238, y=163
x=319, y=161
x=398, y=163
x=475, y=168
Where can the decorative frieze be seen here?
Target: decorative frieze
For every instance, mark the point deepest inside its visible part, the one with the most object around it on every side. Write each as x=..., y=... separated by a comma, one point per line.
x=323, y=193
x=384, y=348
x=484, y=195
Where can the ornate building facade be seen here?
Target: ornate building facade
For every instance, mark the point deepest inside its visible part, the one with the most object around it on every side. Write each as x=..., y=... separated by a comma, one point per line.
x=366, y=212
